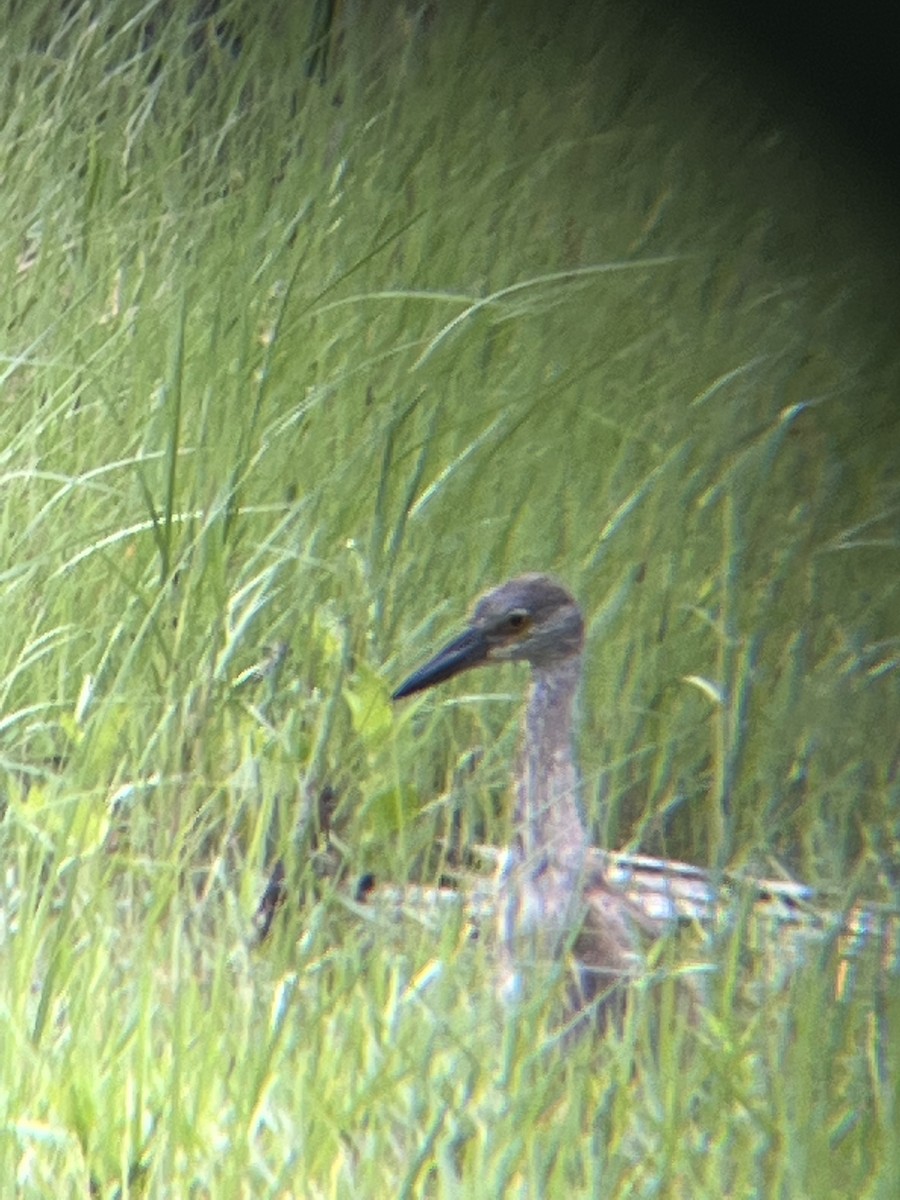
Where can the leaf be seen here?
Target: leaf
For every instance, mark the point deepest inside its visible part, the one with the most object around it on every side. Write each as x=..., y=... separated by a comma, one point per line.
x=370, y=708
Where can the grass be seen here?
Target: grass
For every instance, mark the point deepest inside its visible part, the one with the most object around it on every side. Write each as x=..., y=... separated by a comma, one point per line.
x=290, y=370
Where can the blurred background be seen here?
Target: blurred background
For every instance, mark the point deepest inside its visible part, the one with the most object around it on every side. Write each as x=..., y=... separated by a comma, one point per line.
x=322, y=318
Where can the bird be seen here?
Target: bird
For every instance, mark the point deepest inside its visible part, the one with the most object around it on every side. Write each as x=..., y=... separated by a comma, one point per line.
x=555, y=899
x=557, y=896
x=559, y=899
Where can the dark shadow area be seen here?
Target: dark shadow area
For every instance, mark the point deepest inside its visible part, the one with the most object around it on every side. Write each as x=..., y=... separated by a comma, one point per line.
x=831, y=72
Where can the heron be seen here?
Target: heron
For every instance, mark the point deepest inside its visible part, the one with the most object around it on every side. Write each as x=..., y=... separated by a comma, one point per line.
x=554, y=895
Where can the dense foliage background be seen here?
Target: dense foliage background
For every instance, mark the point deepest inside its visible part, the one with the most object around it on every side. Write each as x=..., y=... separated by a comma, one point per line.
x=318, y=321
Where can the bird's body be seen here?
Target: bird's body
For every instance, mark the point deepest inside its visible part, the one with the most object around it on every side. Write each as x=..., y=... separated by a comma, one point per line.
x=553, y=897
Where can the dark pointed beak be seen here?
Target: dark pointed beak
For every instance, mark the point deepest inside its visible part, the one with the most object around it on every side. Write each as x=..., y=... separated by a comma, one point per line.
x=468, y=650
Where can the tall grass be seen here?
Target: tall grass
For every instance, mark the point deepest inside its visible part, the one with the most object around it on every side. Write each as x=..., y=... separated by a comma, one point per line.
x=301, y=352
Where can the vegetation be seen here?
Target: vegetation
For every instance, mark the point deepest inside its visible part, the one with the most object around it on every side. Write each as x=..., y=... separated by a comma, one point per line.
x=311, y=331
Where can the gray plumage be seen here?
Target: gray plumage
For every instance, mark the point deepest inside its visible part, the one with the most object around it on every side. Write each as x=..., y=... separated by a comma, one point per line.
x=553, y=896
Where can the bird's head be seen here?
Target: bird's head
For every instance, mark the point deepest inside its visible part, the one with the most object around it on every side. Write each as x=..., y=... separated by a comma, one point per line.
x=531, y=619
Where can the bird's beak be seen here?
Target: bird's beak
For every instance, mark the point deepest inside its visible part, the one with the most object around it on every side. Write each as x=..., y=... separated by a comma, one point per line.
x=470, y=649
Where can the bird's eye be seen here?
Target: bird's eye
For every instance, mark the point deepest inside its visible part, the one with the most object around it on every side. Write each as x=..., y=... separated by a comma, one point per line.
x=516, y=621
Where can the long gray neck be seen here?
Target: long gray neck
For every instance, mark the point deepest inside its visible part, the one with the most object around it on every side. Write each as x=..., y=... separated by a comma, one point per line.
x=549, y=826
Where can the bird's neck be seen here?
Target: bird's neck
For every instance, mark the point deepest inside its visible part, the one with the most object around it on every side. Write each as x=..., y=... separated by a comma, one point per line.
x=549, y=826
